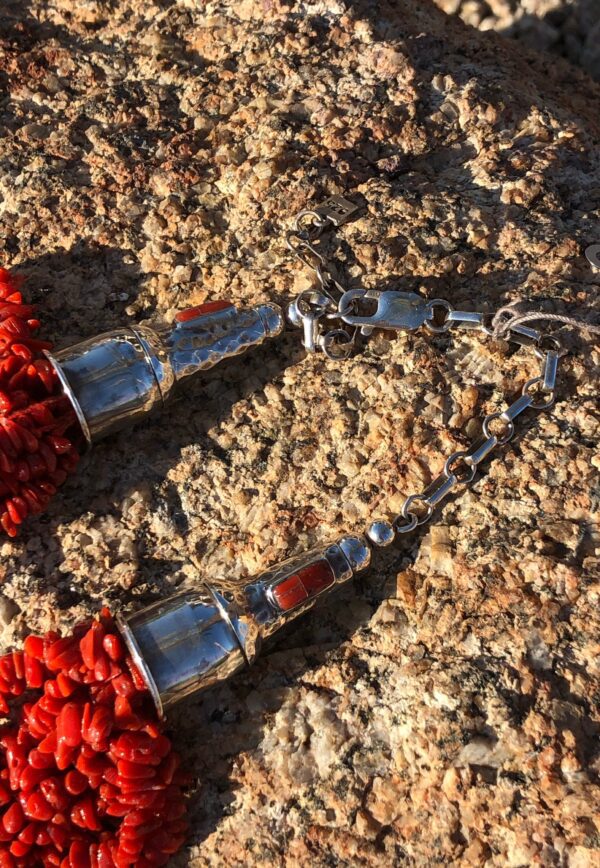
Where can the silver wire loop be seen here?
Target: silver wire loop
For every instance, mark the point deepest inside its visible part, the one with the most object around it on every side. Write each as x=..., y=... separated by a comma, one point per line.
x=337, y=344
x=406, y=510
x=314, y=221
x=399, y=527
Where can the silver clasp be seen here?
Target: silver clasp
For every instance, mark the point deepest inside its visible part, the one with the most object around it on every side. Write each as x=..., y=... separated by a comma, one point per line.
x=403, y=311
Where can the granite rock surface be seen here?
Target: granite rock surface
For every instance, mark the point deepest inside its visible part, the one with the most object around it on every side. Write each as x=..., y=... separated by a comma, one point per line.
x=567, y=28
x=444, y=709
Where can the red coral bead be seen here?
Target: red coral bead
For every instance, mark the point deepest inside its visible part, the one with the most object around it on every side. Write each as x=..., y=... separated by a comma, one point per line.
x=91, y=644
x=100, y=726
x=75, y=782
x=83, y=814
x=66, y=686
x=38, y=808
x=89, y=779
x=55, y=794
x=34, y=672
x=204, y=309
x=114, y=647
x=13, y=819
x=303, y=584
x=68, y=725
x=79, y=855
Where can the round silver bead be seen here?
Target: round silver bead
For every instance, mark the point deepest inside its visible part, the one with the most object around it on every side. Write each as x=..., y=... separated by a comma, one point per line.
x=356, y=551
x=381, y=533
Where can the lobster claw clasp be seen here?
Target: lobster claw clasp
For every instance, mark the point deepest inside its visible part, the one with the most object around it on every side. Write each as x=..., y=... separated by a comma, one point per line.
x=403, y=311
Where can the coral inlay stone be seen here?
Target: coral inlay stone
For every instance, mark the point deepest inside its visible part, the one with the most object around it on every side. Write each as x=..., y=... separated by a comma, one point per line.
x=202, y=310
x=301, y=586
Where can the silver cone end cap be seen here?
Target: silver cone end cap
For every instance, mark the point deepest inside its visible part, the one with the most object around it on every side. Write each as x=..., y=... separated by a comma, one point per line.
x=184, y=644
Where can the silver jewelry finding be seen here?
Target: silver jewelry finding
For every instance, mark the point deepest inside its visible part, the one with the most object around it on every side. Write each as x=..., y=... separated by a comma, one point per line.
x=193, y=640
x=381, y=533
x=593, y=256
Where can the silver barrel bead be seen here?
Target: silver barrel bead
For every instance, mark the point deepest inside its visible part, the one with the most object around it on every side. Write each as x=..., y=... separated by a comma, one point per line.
x=195, y=639
x=115, y=379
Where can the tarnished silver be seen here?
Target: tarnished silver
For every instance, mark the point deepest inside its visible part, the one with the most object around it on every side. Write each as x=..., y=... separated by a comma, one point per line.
x=337, y=210
x=194, y=639
x=117, y=378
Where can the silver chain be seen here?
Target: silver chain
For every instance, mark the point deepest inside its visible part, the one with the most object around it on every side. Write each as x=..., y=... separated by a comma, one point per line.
x=460, y=467
x=354, y=310
x=313, y=306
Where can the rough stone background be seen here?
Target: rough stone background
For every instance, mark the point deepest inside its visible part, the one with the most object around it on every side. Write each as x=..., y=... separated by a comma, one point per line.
x=568, y=28
x=443, y=709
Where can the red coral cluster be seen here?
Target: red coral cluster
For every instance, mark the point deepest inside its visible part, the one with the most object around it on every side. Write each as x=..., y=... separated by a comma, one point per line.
x=87, y=778
x=37, y=422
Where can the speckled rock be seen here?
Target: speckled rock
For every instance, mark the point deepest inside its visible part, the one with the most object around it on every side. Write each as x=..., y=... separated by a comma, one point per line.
x=444, y=708
x=566, y=28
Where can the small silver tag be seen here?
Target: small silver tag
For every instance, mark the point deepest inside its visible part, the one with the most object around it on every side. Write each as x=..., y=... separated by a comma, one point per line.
x=337, y=209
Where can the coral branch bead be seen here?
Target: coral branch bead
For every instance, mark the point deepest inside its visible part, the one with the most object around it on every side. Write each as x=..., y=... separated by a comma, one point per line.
x=39, y=431
x=86, y=778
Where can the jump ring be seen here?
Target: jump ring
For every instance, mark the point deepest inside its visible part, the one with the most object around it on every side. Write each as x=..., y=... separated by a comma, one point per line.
x=316, y=225
x=416, y=498
x=431, y=306
x=337, y=338
x=510, y=428
x=538, y=405
x=346, y=302
x=449, y=469
x=413, y=521
x=549, y=344
x=311, y=301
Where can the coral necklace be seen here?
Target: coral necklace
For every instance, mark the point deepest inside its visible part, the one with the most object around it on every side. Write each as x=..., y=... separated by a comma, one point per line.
x=89, y=778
